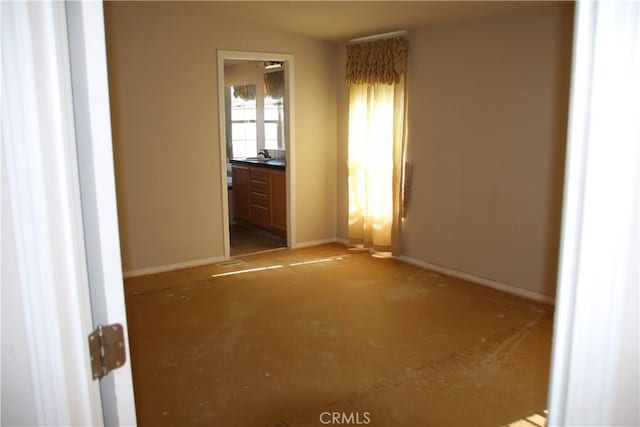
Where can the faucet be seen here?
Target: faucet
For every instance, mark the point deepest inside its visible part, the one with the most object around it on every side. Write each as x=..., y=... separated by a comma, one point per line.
x=264, y=153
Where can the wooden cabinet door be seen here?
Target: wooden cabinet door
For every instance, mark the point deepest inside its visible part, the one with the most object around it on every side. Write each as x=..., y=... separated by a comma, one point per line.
x=278, y=201
x=241, y=189
x=260, y=216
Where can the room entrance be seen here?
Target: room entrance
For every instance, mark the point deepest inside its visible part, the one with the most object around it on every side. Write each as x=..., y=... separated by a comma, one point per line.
x=255, y=122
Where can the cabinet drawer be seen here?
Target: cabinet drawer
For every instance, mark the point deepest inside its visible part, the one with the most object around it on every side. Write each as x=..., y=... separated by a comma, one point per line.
x=258, y=199
x=260, y=215
x=259, y=187
x=260, y=174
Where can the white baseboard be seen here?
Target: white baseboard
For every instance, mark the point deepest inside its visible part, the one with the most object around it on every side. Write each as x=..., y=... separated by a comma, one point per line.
x=172, y=267
x=205, y=261
x=315, y=243
x=342, y=241
x=479, y=280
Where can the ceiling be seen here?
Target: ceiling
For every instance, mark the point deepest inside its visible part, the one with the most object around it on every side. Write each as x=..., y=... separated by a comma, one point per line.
x=337, y=21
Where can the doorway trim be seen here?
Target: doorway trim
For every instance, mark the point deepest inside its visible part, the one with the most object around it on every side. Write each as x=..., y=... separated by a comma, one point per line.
x=289, y=114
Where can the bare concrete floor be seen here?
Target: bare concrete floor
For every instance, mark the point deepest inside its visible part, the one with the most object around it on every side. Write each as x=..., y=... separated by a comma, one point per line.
x=293, y=334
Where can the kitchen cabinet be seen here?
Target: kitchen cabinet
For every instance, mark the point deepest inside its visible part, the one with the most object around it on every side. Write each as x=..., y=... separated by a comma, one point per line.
x=278, y=201
x=260, y=196
x=241, y=180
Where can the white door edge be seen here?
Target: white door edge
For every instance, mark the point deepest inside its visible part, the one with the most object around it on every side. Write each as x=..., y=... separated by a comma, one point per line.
x=96, y=168
x=595, y=375
x=38, y=144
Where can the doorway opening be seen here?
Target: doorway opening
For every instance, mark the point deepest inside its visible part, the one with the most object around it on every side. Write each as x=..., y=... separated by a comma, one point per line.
x=256, y=128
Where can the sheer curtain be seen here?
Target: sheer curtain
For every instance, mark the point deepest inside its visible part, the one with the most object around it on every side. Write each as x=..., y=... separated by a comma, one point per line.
x=376, y=79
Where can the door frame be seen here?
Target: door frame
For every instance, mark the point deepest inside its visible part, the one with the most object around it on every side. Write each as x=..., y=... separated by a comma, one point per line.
x=594, y=361
x=94, y=146
x=289, y=114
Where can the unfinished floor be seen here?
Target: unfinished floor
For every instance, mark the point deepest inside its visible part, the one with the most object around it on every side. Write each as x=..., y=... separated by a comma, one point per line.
x=278, y=339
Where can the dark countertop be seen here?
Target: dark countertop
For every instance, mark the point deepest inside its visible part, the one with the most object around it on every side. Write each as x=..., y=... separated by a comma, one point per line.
x=273, y=164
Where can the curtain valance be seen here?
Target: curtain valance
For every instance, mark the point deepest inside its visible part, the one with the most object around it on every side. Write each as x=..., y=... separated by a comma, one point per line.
x=245, y=92
x=274, y=84
x=379, y=61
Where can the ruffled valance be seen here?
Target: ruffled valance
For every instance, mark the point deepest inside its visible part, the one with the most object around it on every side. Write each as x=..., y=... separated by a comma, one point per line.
x=379, y=61
x=274, y=84
x=245, y=92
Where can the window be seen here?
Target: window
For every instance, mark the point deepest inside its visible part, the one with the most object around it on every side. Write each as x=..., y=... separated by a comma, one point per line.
x=273, y=123
x=244, y=135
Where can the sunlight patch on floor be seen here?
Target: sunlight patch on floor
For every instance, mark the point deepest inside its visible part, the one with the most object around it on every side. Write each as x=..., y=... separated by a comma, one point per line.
x=316, y=261
x=535, y=420
x=274, y=267
x=249, y=270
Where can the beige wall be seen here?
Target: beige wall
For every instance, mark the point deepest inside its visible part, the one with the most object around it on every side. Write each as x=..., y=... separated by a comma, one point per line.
x=164, y=102
x=487, y=120
x=486, y=136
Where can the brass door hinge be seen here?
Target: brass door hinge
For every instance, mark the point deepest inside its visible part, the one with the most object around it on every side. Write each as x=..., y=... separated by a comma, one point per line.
x=106, y=347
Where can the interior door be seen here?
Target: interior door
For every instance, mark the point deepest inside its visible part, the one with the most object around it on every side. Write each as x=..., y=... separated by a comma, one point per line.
x=85, y=23
x=60, y=212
